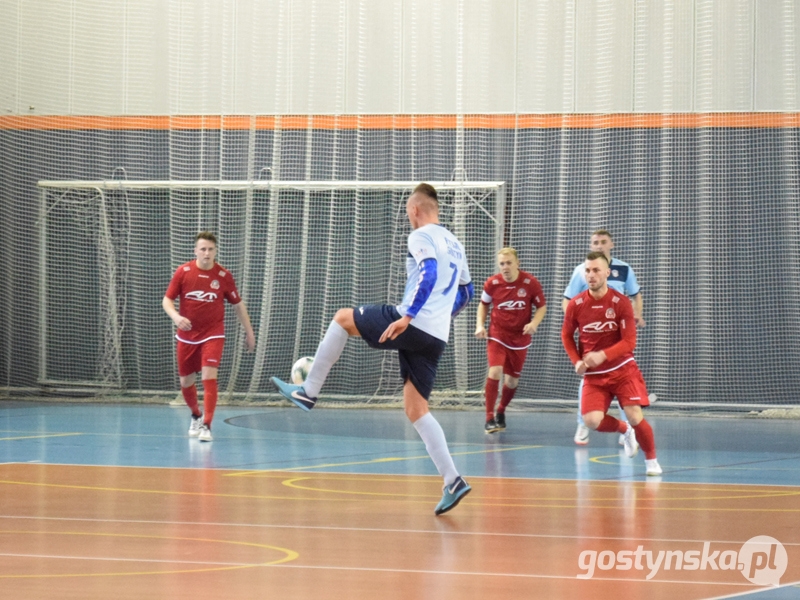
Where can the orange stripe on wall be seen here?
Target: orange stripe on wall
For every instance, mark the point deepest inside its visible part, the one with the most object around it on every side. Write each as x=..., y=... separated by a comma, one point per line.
x=347, y=122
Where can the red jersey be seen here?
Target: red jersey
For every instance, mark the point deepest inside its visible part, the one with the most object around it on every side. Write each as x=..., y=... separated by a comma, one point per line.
x=202, y=295
x=512, y=307
x=606, y=324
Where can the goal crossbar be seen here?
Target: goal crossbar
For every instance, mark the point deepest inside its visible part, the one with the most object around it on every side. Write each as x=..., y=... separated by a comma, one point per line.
x=230, y=184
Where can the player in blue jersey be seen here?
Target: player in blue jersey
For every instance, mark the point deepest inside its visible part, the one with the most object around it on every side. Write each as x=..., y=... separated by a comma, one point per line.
x=438, y=288
x=621, y=279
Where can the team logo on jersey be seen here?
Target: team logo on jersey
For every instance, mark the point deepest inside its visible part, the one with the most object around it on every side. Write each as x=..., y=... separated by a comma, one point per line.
x=521, y=293
x=600, y=327
x=495, y=282
x=215, y=285
x=610, y=314
x=527, y=280
x=614, y=273
x=201, y=296
x=511, y=305
x=222, y=273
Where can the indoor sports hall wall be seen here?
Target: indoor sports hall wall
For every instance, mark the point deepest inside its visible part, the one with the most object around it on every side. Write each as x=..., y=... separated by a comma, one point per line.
x=674, y=126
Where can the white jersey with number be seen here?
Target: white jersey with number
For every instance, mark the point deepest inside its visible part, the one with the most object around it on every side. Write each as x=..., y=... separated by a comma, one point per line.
x=437, y=242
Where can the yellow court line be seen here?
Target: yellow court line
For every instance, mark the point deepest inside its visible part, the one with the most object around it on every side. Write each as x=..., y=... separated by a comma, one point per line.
x=290, y=554
x=376, y=461
x=33, y=437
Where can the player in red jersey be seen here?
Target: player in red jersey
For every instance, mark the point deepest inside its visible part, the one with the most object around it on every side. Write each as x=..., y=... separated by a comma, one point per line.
x=202, y=286
x=513, y=294
x=604, y=356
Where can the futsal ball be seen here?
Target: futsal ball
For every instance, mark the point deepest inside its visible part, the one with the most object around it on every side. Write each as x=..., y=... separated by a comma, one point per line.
x=300, y=369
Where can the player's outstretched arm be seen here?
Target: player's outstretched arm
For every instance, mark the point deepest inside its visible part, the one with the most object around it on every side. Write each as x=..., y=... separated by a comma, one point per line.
x=244, y=318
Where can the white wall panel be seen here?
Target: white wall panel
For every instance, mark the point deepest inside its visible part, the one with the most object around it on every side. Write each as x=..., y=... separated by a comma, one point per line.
x=664, y=55
x=724, y=55
x=545, y=61
x=429, y=56
x=488, y=47
x=374, y=57
x=777, y=55
x=9, y=21
x=604, y=56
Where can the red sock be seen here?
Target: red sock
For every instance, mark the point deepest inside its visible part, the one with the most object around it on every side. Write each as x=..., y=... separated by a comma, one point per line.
x=190, y=397
x=505, y=400
x=644, y=435
x=490, y=393
x=209, y=399
x=611, y=425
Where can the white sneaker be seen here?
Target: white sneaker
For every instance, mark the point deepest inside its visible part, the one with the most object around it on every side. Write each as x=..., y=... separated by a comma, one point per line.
x=621, y=440
x=581, y=435
x=631, y=445
x=652, y=467
x=194, y=427
x=205, y=433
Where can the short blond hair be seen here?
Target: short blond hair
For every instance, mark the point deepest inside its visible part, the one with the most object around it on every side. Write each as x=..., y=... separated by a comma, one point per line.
x=508, y=250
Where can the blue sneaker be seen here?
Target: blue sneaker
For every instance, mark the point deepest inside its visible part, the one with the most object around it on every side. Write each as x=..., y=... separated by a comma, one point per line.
x=294, y=393
x=452, y=495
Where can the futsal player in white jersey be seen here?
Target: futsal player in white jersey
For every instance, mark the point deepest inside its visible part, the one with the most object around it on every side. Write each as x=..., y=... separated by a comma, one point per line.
x=621, y=279
x=438, y=287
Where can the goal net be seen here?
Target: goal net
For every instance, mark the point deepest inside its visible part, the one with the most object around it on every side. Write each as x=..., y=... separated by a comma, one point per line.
x=298, y=250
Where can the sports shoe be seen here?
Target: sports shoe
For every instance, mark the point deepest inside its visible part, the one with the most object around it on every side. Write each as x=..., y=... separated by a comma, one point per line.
x=621, y=440
x=491, y=426
x=194, y=426
x=581, y=435
x=631, y=445
x=205, y=433
x=501, y=421
x=652, y=468
x=452, y=495
x=294, y=393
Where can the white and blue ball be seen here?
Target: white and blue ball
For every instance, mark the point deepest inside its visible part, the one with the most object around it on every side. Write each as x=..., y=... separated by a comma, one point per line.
x=300, y=369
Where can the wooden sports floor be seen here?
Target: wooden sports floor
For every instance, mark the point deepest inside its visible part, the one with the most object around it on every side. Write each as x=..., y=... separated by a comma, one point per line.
x=115, y=501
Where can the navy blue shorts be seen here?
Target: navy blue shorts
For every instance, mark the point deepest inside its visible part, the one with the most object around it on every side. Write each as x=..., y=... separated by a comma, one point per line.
x=419, y=352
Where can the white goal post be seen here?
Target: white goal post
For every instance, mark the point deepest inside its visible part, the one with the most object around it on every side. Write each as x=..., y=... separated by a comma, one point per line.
x=296, y=248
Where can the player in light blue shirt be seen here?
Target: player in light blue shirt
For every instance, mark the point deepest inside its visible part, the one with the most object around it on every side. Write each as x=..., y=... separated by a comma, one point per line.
x=438, y=287
x=623, y=280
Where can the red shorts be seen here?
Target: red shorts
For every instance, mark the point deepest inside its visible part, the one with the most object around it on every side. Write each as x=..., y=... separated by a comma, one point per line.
x=193, y=357
x=510, y=360
x=626, y=383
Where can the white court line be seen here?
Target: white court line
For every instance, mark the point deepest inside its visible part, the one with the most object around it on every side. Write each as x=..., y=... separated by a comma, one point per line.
x=389, y=570
x=382, y=530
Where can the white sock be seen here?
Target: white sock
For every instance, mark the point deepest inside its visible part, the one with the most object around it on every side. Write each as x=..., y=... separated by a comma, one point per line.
x=432, y=434
x=328, y=352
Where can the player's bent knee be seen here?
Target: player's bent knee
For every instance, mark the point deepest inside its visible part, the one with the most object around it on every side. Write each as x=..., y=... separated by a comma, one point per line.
x=344, y=317
x=593, y=419
x=495, y=373
x=511, y=382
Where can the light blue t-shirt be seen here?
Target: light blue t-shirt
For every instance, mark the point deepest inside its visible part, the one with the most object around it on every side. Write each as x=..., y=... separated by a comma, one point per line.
x=435, y=241
x=622, y=279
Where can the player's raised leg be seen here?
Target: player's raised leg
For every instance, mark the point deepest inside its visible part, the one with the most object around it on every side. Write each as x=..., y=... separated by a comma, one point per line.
x=328, y=352
x=645, y=437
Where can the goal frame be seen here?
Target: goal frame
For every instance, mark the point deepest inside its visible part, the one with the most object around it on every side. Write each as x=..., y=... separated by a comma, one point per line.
x=468, y=197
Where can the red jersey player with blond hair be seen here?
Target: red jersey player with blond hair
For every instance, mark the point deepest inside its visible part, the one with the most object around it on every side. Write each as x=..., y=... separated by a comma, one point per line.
x=606, y=329
x=202, y=286
x=518, y=307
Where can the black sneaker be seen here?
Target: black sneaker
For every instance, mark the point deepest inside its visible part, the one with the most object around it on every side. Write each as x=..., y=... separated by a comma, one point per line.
x=501, y=421
x=491, y=426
